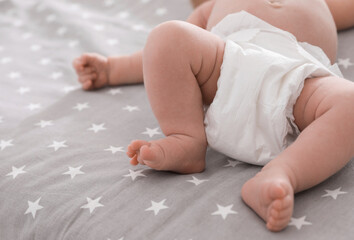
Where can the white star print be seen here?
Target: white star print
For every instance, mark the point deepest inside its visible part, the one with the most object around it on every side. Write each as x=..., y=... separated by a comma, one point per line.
x=86, y=15
x=61, y=31
x=115, y=91
x=345, y=62
x=224, y=211
x=5, y=60
x=81, y=106
x=131, y=108
x=26, y=35
x=56, y=75
x=74, y=171
x=41, y=8
x=99, y=27
x=69, y=89
x=33, y=207
x=232, y=163
x=161, y=11
x=17, y=23
x=97, y=127
x=138, y=27
x=112, y=42
x=114, y=149
x=45, y=61
x=51, y=18
x=123, y=14
x=299, y=222
x=44, y=123
x=5, y=143
x=23, y=90
x=333, y=193
x=57, y=145
x=73, y=43
x=196, y=181
x=134, y=174
x=92, y=204
x=156, y=207
x=16, y=171
x=14, y=75
x=36, y=47
x=151, y=132
x=108, y=3
x=75, y=6
x=34, y=106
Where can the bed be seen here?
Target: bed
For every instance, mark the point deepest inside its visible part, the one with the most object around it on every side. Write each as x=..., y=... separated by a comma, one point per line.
x=64, y=173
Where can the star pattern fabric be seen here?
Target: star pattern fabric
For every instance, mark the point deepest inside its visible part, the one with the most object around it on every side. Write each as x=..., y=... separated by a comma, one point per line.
x=134, y=174
x=92, y=204
x=16, y=171
x=62, y=150
x=224, y=211
x=97, y=127
x=5, y=143
x=74, y=171
x=156, y=207
x=58, y=145
x=299, y=222
x=333, y=193
x=33, y=207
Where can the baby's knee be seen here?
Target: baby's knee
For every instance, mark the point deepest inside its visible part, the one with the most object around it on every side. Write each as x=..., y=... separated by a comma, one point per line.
x=342, y=95
x=333, y=93
x=167, y=37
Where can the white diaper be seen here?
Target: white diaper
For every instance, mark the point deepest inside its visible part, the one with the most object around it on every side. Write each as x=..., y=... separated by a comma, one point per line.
x=263, y=72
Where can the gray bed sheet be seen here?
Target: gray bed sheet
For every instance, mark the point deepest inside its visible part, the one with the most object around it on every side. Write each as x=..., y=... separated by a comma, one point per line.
x=63, y=169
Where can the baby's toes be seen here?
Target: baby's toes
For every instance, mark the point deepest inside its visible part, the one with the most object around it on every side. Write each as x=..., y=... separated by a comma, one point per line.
x=282, y=204
x=280, y=213
x=134, y=160
x=275, y=224
x=134, y=147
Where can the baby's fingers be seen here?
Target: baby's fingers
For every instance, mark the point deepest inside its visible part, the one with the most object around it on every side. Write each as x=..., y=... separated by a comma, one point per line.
x=87, y=77
x=78, y=65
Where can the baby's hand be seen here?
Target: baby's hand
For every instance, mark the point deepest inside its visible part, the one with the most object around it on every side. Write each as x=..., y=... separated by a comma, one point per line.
x=92, y=70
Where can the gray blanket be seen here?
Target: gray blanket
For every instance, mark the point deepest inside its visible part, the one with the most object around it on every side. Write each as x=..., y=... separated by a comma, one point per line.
x=63, y=169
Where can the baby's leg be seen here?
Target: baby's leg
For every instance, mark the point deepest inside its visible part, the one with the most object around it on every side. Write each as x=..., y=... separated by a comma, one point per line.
x=181, y=65
x=325, y=114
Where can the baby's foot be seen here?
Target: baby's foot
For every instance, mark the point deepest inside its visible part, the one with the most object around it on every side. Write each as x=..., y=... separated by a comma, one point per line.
x=177, y=153
x=271, y=197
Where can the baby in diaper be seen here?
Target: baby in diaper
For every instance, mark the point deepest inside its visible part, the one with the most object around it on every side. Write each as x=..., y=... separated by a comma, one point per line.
x=264, y=72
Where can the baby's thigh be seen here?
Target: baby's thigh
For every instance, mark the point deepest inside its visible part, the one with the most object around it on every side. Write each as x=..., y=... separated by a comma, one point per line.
x=187, y=46
x=319, y=95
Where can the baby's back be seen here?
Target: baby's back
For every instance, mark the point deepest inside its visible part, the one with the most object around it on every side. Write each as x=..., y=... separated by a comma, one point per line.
x=309, y=20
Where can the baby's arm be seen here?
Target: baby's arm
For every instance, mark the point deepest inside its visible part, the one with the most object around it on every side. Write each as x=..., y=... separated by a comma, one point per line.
x=125, y=69
x=342, y=12
x=96, y=71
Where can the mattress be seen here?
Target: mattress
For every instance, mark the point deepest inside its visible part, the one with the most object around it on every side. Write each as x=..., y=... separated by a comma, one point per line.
x=64, y=173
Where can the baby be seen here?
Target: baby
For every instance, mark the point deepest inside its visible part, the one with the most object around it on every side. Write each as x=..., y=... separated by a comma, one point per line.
x=263, y=69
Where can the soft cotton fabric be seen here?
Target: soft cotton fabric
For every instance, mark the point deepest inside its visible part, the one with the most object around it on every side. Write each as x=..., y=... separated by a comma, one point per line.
x=263, y=72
